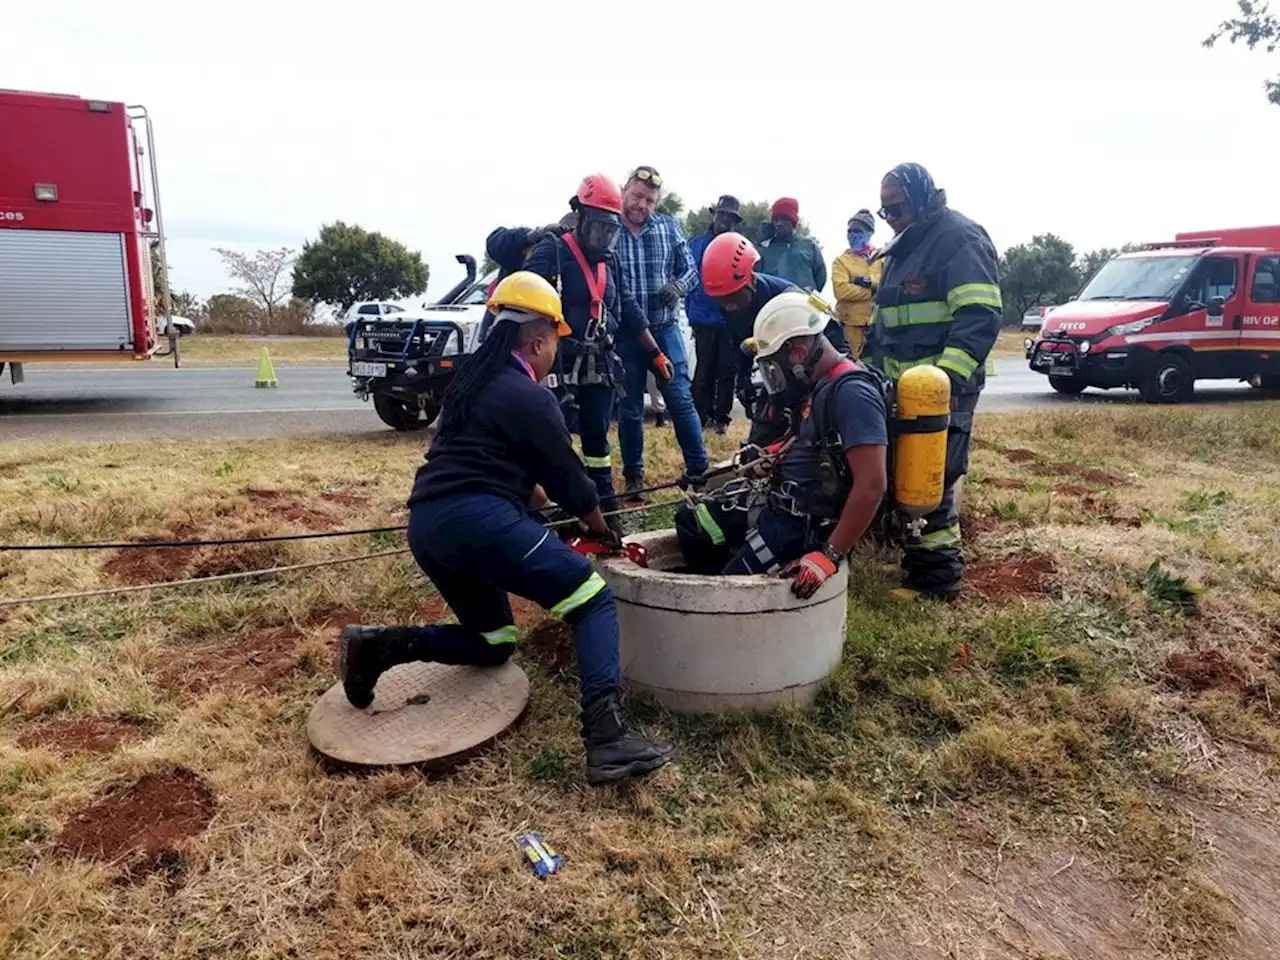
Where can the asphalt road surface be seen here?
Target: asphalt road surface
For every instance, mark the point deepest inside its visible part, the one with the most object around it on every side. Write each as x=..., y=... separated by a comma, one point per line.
x=139, y=402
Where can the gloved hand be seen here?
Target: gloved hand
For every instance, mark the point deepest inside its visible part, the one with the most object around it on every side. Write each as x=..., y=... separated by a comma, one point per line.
x=670, y=294
x=863, y=282
x=808, y=573
x=664, y=368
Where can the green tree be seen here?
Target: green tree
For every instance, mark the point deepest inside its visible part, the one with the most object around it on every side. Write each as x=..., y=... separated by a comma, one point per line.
x=347, y=263
x=1256, y=26
x=264, y=274
x=754, y=213
x=1040, y=272
x=671, y=205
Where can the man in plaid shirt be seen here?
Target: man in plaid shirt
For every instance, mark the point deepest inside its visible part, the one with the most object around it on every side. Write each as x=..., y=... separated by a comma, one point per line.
x=657, y=270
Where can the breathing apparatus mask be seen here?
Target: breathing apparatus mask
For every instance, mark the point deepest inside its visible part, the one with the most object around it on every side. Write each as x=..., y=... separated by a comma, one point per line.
x=598, y=231
x=788, y=384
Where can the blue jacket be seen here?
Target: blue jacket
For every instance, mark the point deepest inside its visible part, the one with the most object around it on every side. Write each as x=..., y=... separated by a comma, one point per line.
x=505, y=247
x=554, y=261
x=701, y=308
x=742, y=322
x=513, y=437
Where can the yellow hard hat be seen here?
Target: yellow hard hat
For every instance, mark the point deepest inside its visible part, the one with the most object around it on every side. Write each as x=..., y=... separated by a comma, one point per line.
x=524, y=294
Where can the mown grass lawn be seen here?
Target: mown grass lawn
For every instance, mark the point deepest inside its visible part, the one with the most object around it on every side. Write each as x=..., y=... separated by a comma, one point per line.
x=218, y=350
x=1077, y=760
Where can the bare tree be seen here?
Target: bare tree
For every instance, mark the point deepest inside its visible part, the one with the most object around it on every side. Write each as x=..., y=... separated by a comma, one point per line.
x=266, y=276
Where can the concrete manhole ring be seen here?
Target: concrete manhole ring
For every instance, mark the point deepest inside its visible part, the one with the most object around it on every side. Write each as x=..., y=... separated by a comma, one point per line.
x=422, y=713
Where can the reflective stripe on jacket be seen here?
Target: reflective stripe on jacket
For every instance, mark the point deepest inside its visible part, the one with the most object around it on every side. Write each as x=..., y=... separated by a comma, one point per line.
x=939, y=300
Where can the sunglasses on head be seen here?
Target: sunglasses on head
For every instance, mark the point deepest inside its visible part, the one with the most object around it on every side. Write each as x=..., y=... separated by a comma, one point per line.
x=648, y=175
x=892, y=211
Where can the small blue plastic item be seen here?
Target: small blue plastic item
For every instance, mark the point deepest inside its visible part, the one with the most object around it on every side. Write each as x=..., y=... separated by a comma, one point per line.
x=540, y=855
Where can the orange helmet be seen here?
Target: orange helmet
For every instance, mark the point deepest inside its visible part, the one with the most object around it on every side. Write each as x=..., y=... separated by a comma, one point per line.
x=728, y=264
x=597, y=190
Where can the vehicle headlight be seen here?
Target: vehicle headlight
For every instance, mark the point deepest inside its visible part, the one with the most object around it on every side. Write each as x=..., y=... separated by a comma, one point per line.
x=1084, y=346
x=1133, y=326
x=1028, y=343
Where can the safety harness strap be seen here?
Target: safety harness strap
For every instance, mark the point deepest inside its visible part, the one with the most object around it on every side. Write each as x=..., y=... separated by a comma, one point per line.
x=595, y=285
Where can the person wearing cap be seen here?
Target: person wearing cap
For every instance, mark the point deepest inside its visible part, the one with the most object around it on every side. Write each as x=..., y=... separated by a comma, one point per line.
x=718, y=354
x=784, y=253
x=501, y=450
x=657, y=270
x=827, y=481
x=939, y=303
x=604, y=317
x=855, y=278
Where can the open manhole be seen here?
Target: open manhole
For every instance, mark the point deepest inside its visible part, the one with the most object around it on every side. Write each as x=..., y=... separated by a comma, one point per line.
x=422, y=713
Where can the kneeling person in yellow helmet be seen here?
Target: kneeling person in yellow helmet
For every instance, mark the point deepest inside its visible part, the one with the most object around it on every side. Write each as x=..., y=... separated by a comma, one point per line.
x=502, y=449
x=825, y=490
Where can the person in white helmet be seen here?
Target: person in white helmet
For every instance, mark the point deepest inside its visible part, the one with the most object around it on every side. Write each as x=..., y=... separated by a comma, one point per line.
x=827, y=486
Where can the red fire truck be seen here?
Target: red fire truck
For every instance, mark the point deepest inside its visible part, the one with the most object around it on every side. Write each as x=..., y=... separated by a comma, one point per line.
x=79, y=216
x=1205, y=306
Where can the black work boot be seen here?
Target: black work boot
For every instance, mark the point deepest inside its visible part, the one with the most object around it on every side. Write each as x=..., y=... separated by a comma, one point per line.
x=631, y=492
x=368, y=653
x=613, y=752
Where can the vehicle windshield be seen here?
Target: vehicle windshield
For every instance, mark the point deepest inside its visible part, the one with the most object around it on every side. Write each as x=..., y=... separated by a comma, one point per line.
x=1139, y=278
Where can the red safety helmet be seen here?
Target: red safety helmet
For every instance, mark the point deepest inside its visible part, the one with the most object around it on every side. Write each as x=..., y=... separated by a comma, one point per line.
x=728, y=264
x=598, y=191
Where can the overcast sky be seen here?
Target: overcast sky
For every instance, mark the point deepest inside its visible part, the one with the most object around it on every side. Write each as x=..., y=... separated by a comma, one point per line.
x=1099, y=120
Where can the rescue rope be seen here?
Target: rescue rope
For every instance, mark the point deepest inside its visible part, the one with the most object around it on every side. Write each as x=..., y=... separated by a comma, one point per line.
x=247, y=574
x=242, y=541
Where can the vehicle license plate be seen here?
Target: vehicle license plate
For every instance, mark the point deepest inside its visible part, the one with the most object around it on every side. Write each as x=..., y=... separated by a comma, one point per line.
x=359, y=369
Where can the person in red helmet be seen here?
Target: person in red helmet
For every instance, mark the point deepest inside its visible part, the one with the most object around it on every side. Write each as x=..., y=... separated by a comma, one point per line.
x=580, y=264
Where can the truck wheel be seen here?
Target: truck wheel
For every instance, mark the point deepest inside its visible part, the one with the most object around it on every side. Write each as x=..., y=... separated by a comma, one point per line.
x=1069, y=386
x=402, y=416
x=1170, y=380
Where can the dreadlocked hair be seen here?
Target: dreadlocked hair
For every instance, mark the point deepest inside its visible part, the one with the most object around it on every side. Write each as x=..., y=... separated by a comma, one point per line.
x=505, y=337
x=477, y=370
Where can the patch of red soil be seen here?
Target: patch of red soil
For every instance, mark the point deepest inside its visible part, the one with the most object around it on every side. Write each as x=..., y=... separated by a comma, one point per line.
x=215, y=561
x=1202, y=670
x=142, y=823
x=1022, y=575
x=81, y=735
x=550, y=643
x=1004, y=483
x=262, y=661
x=338, y=619
x=134, y=567
x=1087, y=474
x=344, y=499
x=979, y=525
x=290, y=506
x=1018, y=455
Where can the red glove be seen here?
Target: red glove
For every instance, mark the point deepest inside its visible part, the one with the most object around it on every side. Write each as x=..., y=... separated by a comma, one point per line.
x=809, y=573
x=663, y=367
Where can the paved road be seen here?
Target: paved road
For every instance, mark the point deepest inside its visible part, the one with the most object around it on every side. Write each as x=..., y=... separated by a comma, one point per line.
x=100, y=403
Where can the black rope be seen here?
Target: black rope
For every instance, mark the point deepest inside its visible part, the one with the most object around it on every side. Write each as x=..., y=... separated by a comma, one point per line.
x=241, y=541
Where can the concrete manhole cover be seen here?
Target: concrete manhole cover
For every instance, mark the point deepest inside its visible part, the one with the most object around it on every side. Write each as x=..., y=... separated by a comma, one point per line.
x=422, y=713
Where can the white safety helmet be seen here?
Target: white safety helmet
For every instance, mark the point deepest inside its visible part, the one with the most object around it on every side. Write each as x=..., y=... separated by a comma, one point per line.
x=785, y=317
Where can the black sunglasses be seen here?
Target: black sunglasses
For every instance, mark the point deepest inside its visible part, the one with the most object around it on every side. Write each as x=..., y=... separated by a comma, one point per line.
x=892, y=211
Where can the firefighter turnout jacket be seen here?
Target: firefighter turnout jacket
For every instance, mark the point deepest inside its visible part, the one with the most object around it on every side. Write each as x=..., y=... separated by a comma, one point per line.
x=939, y=301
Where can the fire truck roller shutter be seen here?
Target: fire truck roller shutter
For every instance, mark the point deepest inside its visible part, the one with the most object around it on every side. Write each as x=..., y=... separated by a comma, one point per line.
x=63, y=290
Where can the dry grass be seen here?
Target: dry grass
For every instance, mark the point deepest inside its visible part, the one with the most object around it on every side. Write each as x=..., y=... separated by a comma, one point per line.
x=208, y=350
x=1065, y=774
x=1009, y=343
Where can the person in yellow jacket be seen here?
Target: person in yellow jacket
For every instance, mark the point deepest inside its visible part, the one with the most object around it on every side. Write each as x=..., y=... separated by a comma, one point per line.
x=856, y=280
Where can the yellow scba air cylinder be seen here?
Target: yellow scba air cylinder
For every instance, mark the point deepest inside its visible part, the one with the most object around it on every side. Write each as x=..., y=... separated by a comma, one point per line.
x=920, y=451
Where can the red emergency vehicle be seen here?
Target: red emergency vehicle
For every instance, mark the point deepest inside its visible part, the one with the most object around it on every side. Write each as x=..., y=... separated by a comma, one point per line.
x=79, y=213
x=1205, y=306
